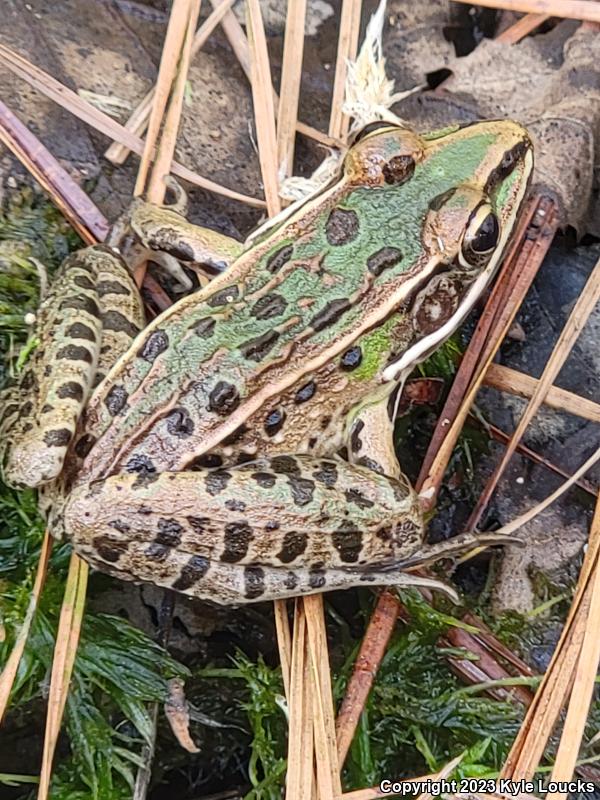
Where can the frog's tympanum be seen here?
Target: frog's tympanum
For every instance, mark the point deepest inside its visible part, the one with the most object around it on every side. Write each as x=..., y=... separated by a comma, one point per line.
x=202, y=452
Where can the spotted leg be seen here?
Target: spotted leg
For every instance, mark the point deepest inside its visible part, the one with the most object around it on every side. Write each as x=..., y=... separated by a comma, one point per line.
x=269, y=529
x=87, y=320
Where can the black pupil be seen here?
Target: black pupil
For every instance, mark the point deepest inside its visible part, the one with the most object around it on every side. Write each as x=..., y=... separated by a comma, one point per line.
x=486, y=237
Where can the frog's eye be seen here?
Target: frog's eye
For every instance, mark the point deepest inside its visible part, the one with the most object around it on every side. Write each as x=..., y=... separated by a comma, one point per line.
x=371, y=128
x=481, y=237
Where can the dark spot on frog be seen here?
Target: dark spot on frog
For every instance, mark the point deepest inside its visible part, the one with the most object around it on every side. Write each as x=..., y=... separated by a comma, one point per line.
x=80, y=331
x=204, y=327
x=109, y=549
x=370, y=463
x=71, y=391
x=169, y=532
x=244, y=458
x=156, y=551
x=383, y=259
x=294, y=544
x=342, y=226
x=112, y=287
x=302, y=490
x=274, y=421
x=254, y=582
x=284, y=465
x=316, y=578
x=358, y=498
x=238, y=536
x=235, y=436
x=26, y=408
x=223, y=399
x=291, y=581
x=155, y=344
x=198, y=524
x=351, y=359
x=256, y=349
x=179, y=423
x=195, y=569
x=47, y=370
x=46, y=408
x=235, y=505
x=145, y=510
x=305, y=392
x=280, y=257
x=75, y=352
x=264, y=479
x=81, y=303
x=120, y=525
x=115, y=321
x=84, y=445
x=216, y=481
x=325, y=422
x=398, y=169
x=384, y=533
x=181, y=250
x=347, y=540
x=330, y=314
x=269, y=306
x=355, y=440
x=272, y=525
x=140, y=464
x=116, y=400
x=58, y=438
x=206, y=461
x=223, y=296
x=326, y=474
x=312, y=442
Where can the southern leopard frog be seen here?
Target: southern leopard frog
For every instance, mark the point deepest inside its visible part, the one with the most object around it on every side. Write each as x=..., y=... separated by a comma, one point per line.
x=207, y=457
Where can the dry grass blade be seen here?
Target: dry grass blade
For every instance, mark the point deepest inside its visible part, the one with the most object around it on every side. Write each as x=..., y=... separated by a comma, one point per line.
x=339, y=123
x=138, y=121
x=264, y=110
x=505, y=379
x=101, y=122
x=584, y=681
x=328, y=772
x=375, y=792
x=7, y=677
x=291, y=73
x=168, y=139
x=522, y=28
x=67, y=638
x=299, y=782
x=66, y=195
x=567, y=9
x=171, y=53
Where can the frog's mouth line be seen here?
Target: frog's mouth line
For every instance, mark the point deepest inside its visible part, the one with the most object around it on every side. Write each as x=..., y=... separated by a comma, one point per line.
x=399, y=370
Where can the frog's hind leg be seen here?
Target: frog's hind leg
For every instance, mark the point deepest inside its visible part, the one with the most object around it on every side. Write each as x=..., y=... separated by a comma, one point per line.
x=87, y=320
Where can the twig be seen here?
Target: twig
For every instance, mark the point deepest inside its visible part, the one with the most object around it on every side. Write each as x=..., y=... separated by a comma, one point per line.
x=522, y=28
x=584, y=681
x=339, y=123
x=567, y=9
x=291, y=74
x=67, y=639
x=66, y=195
x=505, y=379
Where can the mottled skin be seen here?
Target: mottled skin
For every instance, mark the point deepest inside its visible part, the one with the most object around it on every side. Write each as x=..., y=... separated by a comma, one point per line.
x=282, y=356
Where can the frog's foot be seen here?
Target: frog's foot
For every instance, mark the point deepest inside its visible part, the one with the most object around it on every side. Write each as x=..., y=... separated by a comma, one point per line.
x=87, y=320
x=457, y=545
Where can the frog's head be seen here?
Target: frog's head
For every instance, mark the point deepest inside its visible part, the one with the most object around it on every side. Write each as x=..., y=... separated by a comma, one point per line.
x=457, y=193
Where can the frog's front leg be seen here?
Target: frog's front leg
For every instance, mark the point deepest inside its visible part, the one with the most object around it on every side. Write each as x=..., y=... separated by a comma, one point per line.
x=170, y=240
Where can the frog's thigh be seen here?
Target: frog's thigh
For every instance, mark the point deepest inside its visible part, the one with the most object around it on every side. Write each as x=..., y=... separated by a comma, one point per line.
x=87, y=320
x=291, y=514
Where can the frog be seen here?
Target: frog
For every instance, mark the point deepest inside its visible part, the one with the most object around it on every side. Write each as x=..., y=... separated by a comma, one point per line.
x=239, y=447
